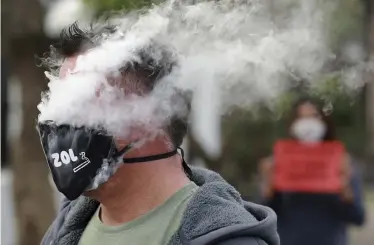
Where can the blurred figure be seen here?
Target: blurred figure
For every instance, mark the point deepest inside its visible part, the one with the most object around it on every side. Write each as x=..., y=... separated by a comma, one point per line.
x=312, y=217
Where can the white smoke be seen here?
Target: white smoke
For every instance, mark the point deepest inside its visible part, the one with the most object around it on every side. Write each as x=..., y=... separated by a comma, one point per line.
x=249, y=56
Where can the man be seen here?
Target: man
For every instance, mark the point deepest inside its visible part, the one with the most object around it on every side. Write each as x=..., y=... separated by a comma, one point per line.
x=157, y=199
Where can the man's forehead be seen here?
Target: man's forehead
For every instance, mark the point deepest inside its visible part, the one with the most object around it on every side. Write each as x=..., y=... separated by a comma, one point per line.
x=68, y=65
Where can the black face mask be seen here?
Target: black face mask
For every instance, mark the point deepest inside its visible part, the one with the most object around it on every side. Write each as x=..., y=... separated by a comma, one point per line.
x=75, y=155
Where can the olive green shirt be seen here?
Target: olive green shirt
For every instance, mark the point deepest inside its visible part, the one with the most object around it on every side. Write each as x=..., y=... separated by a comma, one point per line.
x=153, y=228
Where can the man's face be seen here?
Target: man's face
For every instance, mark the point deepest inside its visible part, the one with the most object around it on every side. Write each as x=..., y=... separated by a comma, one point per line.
x=68, y=66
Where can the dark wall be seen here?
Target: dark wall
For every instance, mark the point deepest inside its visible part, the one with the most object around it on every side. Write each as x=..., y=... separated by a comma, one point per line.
x=4, y=113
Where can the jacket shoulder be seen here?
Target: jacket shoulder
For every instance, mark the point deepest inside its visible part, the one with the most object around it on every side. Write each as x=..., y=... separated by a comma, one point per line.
x=243, y=241
x=57, y=224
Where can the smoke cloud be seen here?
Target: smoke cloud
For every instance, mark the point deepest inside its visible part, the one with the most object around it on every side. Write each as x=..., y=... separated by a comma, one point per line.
x=237, y=46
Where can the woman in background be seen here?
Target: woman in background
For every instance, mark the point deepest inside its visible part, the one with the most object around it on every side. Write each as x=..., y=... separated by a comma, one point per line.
x=314, y=218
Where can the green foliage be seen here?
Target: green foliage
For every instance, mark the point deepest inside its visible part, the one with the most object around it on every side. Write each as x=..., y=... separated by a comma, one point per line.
x=102, y=6
x=346, y=23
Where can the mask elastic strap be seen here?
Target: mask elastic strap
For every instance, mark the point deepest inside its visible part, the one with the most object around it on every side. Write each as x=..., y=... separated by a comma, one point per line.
x=185, y=166
x=123, y=151
x=149, y=158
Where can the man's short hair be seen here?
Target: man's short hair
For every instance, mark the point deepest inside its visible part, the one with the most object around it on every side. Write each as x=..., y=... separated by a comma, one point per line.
x=147, y=71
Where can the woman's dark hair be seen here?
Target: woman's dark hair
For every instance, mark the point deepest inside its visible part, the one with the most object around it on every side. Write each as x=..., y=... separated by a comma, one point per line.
x=318, y=104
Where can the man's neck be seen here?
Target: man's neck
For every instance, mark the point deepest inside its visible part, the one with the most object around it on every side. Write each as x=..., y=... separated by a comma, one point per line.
x=138, y=188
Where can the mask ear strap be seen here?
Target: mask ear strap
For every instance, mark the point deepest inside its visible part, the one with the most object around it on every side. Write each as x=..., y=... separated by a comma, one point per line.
x=185, y=166
x=119, y=153
x=149, y=158
x=125, y=149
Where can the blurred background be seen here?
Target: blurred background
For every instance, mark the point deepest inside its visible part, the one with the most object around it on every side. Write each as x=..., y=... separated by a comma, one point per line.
x=232, y=146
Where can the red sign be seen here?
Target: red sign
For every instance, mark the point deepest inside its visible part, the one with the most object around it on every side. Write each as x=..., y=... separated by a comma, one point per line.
x=301, y=167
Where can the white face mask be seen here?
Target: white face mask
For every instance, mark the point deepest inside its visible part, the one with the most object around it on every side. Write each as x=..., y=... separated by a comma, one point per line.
x=308, y=129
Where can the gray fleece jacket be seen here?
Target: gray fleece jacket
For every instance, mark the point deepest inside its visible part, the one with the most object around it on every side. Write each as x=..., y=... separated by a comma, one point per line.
x=216, y=214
